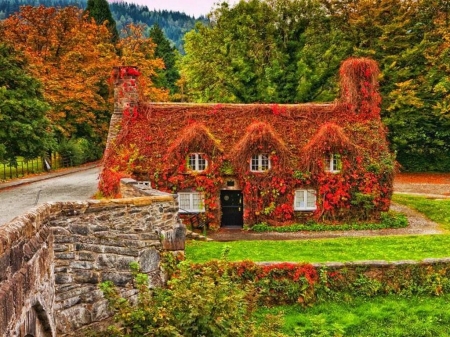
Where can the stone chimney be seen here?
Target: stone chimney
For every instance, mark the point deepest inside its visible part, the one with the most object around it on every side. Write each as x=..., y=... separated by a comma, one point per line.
x=126, y=98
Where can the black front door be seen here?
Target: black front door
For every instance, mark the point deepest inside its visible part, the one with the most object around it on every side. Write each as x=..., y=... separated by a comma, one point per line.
x=231, y=203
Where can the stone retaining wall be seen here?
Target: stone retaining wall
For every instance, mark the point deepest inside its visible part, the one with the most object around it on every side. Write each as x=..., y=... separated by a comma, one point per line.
x=53, y=258
x=27, y=290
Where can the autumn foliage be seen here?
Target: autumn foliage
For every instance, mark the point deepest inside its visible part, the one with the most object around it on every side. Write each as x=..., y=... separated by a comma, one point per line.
x=72, y=56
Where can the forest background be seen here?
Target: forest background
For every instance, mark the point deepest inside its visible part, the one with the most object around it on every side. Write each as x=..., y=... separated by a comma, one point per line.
x=55, y=62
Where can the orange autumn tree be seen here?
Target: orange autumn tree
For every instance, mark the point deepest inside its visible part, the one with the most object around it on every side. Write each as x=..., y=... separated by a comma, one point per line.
x=139, y=51
x=72, y=56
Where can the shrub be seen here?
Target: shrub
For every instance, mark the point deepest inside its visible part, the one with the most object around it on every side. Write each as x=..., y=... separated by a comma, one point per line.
x=71, y=152
x=197, y=302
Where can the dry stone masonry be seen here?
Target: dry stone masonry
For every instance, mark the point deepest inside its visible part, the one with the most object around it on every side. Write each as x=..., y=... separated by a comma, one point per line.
x=53, y=258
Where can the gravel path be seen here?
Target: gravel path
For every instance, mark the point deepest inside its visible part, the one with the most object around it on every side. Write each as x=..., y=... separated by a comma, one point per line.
x=418, y=225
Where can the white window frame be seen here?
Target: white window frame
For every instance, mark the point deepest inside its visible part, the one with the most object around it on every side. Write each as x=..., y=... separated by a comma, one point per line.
x=258, y=160
x=301, y=198
x=199, y=161
x=191, y=202
x=332, y=163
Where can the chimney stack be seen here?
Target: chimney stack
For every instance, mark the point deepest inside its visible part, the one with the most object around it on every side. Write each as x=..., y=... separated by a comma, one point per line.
x=126, y=97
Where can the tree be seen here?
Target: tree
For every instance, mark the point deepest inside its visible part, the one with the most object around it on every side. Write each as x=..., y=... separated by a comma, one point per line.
x=100, y=11
x=228, y=60
x=72, y=56
x=138, y=50
x=255, y=52
x=168, y=76
x=25, y=130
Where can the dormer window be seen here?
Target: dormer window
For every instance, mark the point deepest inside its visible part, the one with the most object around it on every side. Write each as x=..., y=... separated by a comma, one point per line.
x=197, y=162
x=333, y=163
x=260, y=163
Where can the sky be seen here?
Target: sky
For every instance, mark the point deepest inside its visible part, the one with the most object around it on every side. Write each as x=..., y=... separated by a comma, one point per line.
x=190, y=7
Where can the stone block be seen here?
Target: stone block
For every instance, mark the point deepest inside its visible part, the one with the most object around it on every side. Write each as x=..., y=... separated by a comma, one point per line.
x=81, y=265
x=76, y=290
x=4, y=266
x=112, y=261
x=3, y=314
x=92, y=296
x=16, y=257
x=174, y=239
x=86, y=276
x=79, y=229
x=59, y=248
x=100, y=310
x=63, y=278
x=100, y=228
x=150, y=236
x=65, y=256
x=149, y=260
x=119, y=279
x=90, y=247
x=121, y=250
x=65, y=239
x=86, y=256
x=17, y=292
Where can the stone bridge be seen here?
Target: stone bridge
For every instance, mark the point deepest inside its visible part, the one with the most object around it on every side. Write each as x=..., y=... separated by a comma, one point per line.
x=53, y=258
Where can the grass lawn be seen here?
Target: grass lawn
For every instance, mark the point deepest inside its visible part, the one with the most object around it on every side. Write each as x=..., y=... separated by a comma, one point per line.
x=390, y=248
x=380, y=316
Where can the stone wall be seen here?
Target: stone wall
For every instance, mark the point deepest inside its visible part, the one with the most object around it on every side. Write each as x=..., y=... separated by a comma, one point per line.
x=27, y=289
x=53, y=258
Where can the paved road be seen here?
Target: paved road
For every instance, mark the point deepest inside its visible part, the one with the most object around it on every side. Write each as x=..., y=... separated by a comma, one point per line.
x=78, y=185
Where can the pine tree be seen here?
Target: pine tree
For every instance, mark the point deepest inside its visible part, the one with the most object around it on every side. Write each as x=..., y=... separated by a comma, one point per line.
x=99, y=10
x=167, y=77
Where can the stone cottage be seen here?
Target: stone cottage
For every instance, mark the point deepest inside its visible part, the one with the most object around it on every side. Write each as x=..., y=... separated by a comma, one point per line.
x=241, y=164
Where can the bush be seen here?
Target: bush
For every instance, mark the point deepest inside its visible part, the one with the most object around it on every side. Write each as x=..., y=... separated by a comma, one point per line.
x=197, y=302
x=77, y=151
x=71, y=152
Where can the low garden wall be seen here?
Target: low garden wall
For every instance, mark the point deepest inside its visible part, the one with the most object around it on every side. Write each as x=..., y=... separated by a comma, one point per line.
x=287, y=283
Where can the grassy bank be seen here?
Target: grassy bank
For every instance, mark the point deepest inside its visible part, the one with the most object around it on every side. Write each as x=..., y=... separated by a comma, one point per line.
x=437, y=210
x=379, y=316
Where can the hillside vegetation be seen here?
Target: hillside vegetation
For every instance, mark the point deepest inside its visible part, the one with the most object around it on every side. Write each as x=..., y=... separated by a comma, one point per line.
x=289, y=51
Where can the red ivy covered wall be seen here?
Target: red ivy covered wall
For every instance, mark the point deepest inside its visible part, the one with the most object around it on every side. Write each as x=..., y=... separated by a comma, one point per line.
x=155, y=139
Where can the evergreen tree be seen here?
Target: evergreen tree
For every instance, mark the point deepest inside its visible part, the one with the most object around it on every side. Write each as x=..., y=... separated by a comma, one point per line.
x=24, y=128
x=167, y=77
x=99, y=10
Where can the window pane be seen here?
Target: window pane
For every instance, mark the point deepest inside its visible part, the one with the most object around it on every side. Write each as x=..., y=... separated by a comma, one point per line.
x=201, y=163
x=264, y=162
x=197, y=202
x=191, y=161
x=311, y=199
x=299, y=199
x=184, y=201
x=254, y=163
